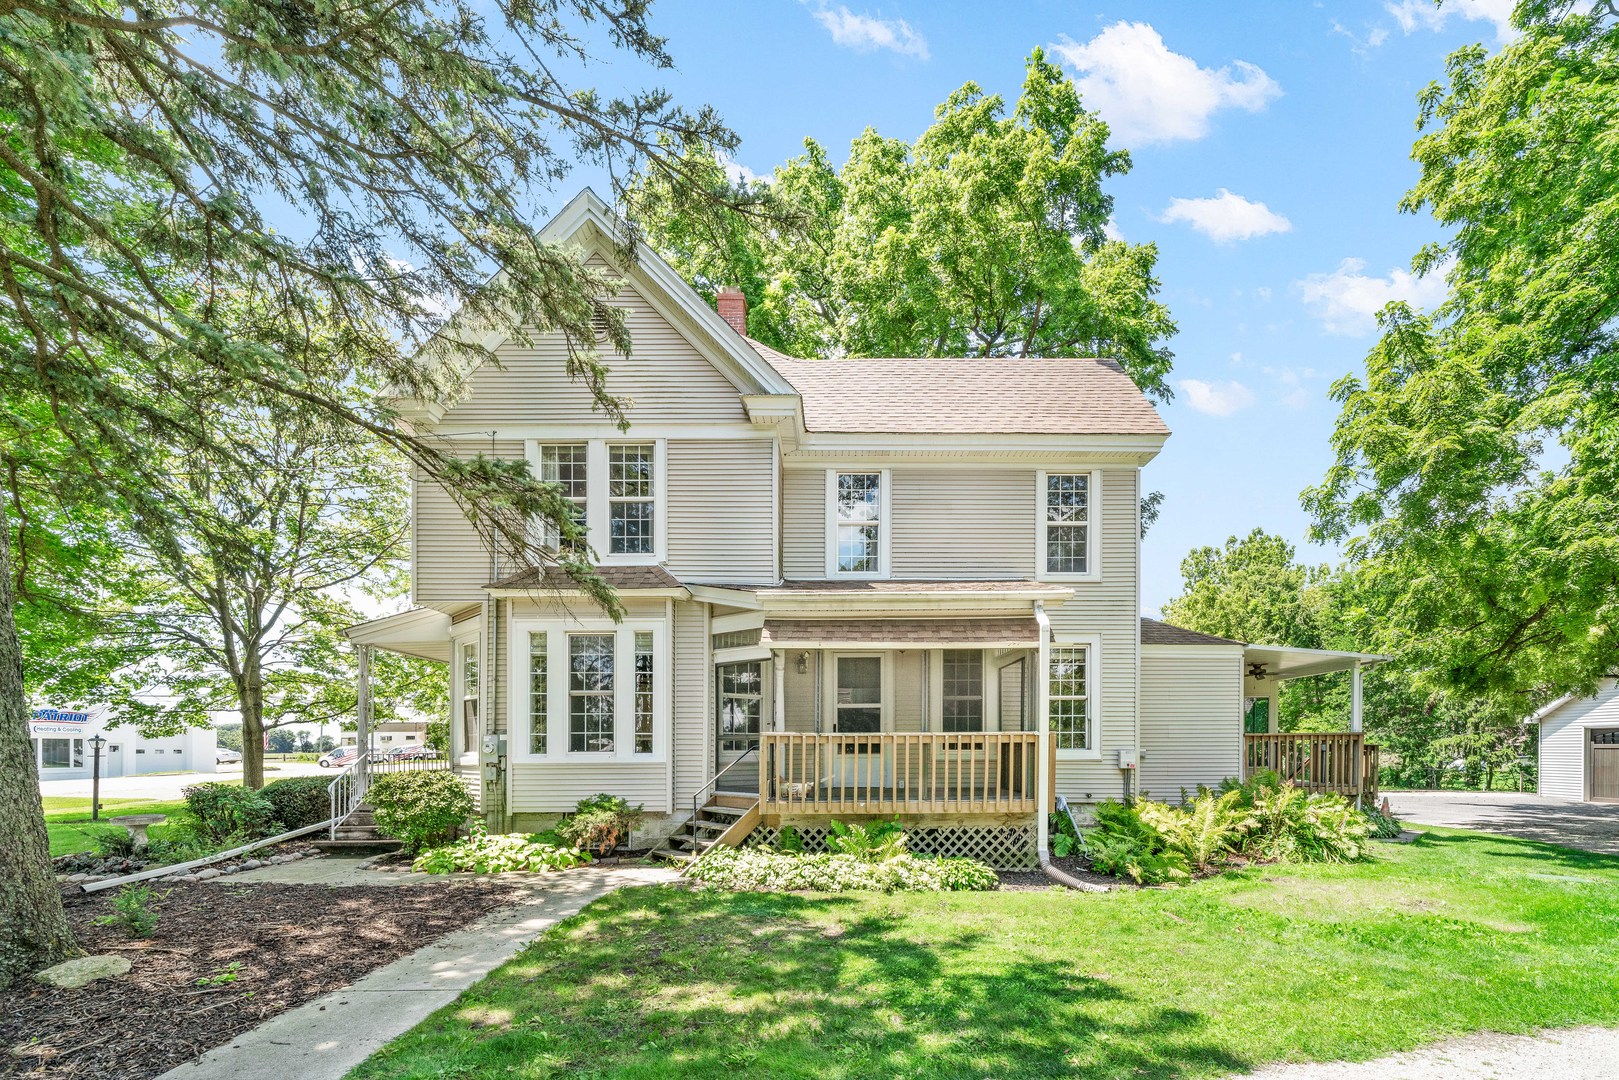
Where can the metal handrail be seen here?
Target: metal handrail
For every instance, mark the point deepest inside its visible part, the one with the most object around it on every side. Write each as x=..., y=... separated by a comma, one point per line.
x=347, y=791
x=712, y=785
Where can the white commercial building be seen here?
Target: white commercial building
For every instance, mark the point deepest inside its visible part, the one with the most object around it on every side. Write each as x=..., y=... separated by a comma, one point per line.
x=63, y=750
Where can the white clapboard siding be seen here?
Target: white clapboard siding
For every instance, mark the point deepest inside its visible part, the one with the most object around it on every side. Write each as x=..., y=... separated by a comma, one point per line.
x=1108, y=608
x=691, y=702
x=803, y=523
x=449, y=560
x=1191, y=717
x=1563, y=737
x=664, y=379
x=722, y=515
x=962, y=523
x=544, y=788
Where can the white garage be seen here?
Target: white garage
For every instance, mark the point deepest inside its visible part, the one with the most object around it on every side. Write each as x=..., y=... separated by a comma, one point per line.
x=1579, y=746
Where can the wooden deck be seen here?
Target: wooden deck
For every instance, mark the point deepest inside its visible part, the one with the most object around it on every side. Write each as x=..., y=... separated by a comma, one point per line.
x=1341, y=762
x=935, y=774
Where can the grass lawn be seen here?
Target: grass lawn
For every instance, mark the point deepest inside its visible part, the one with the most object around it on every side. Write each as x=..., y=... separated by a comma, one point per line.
x=1457, y=932
x=67, y=819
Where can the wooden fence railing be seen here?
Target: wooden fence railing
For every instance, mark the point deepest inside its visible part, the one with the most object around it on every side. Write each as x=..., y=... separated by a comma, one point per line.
x=891, y=773
x=1341, y=762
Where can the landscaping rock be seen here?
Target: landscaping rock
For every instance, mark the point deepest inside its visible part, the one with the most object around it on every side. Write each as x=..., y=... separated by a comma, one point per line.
x=204, y=875
x=252, y=864
x=82, y=971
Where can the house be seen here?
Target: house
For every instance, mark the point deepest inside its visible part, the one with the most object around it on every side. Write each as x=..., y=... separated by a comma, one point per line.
x=1579, y=745
x=853, y=588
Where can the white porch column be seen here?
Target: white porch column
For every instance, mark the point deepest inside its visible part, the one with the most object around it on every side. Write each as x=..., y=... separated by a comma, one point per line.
x=778, y=704
x=362, y=728
x=1354, y=697
x=1042, y=725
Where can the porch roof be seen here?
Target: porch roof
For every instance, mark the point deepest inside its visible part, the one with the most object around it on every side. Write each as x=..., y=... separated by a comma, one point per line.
x=1287, y=662
x=419, y=632
x=620, y=578
x=901, y=633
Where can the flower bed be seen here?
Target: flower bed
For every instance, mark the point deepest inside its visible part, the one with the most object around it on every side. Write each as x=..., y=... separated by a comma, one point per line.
x=501, y=853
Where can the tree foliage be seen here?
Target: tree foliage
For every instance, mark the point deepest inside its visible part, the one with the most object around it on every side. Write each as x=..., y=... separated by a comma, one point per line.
x=363, y=168
x=984, y=237
x=1477, y=470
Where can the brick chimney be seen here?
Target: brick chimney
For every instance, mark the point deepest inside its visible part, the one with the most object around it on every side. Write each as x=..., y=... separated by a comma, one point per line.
x=733, y=308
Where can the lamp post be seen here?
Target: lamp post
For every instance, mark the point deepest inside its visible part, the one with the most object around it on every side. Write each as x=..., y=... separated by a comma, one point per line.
x=96, y=743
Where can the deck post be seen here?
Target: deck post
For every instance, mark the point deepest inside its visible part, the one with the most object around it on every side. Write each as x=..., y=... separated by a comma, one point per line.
x=778, y=706
x=1042, y=721
x=1354, y=697
x=362, y=720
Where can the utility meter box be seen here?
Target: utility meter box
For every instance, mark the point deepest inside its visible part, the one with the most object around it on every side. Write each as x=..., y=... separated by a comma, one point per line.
x=494, y=746
x=1127, y=758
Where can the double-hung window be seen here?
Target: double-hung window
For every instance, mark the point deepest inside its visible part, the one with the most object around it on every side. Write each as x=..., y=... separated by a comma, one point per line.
x=470, y=695
x=963, y=698
x=631, y=503
x=858, y=525
x=590, y=693
x=1069, y=703
x=1065, y=525
x=567, y=466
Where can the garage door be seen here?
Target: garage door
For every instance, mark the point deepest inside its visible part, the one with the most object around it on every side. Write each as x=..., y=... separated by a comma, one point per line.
x=1605, y=765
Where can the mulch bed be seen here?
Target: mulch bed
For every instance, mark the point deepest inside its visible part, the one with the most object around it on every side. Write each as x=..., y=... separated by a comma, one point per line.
x=292, y=942
x=1030, y=880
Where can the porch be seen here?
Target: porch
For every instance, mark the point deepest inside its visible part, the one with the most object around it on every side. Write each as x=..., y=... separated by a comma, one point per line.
x=1336, y=762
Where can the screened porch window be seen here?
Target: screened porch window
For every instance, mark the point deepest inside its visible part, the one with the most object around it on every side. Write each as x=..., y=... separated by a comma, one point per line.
x=741, y=704
x=1070, y=697
x=859, y=694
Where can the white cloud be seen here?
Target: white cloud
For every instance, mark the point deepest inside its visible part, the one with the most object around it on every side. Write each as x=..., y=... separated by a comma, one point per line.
x=1263, y=292
x=1226, y=217
x=1111, y=229
x=1347, y=301
x=1149, y=94
x=1414, y=15
x=866, y=33
x=1216, y=398
x=1358, y=45
x=738, y=173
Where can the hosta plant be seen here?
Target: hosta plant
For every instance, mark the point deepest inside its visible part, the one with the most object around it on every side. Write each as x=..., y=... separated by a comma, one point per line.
x=482, y=853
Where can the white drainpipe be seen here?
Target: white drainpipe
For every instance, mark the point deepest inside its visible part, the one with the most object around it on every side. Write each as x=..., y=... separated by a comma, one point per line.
x=1042, y=721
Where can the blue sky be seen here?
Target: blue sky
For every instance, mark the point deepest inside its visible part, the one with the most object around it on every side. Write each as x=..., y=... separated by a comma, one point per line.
x=1271, y=145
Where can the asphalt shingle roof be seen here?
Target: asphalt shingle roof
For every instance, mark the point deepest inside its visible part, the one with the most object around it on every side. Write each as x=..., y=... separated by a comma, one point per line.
x=1154, y=632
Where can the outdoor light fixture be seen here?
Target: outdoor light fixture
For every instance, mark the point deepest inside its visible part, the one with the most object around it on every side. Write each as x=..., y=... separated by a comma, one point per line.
x=96, y=743
x=803, y=663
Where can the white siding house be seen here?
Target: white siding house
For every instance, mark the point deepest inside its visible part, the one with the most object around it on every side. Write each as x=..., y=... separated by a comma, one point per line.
x=1579, y=746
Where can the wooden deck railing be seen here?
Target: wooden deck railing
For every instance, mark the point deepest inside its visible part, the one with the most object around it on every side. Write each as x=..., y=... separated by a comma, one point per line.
x=1337, y=761
x=890, y=773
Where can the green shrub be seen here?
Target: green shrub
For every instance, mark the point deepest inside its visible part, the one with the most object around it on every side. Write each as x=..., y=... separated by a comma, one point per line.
x=225, y=812
x=790, y=840
x=299, y=801
x=134, y=911
x=878, y=842
x=114, y=842
x=179, y=843
x=423, y=809
x=1384, y=826
x=481, y=853
x=1205, y=831
x=600, y=823
x=759, y=869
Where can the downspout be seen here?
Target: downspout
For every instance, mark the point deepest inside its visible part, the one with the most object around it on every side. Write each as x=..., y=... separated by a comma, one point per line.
x=1042, y=727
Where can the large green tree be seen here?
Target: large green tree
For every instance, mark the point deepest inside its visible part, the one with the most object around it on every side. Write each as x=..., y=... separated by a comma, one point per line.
x=405, y=147
x=985, y=237
x=1477, y=471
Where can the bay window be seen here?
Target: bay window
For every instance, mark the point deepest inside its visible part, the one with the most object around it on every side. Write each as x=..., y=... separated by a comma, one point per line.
x=539, y=692
x=594, y=689
x=590, y=693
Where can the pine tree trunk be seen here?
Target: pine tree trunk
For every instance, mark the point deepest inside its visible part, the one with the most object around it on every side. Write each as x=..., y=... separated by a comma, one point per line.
x=33, y=927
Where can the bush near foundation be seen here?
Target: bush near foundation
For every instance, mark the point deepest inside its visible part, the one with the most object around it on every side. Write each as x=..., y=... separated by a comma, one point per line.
x=422, y=809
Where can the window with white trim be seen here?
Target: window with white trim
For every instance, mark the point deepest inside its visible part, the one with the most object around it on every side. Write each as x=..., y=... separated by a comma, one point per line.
x=470, y=695
x=567, y=466
x=631, y=502
x=1068, y=695
x=963, y=700
x=1066, y=530
x=858, y=506
x=539, y=692
x=644, y=692
x=590, y=693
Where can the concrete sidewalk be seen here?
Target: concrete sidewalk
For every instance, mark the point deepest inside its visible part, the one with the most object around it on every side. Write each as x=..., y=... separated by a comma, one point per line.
x=1585, y=1053
x=323, y=1039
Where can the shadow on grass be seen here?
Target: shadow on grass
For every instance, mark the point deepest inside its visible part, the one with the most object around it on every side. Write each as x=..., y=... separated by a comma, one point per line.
x=662, y=982
x=1496, y=845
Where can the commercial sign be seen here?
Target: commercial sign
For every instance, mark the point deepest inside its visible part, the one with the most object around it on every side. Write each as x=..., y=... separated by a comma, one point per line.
x=59, y=722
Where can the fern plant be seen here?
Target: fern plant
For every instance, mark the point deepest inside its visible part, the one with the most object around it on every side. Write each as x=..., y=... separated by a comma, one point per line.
x=878, y=842
x=1209, y=829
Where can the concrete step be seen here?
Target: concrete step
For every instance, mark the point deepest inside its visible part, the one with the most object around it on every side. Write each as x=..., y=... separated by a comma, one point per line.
x=375, y=846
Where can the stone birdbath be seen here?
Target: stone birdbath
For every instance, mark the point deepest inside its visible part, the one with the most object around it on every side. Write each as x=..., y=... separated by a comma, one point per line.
x=137, y=824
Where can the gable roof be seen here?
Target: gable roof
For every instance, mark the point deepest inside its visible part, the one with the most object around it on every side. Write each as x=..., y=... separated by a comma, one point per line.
x=968, y=396
x=1154, y=632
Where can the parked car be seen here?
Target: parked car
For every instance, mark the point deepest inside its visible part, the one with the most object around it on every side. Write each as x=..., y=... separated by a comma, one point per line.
x=412, y=751
x=336, y=759
x=224, y=755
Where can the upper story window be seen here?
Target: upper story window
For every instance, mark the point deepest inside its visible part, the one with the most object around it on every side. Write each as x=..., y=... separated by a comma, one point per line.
x=616, y=489
x=1066, y=537
x=858, y=524
x=632, y=511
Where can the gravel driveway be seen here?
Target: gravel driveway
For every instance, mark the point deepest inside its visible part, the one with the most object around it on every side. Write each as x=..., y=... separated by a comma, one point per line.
x=1589, y=826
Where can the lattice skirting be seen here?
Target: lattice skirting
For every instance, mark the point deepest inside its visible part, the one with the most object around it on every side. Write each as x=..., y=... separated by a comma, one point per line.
x=1004, y=847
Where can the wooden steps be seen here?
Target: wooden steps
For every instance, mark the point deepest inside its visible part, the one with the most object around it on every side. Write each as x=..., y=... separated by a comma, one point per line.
x=727, y=818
